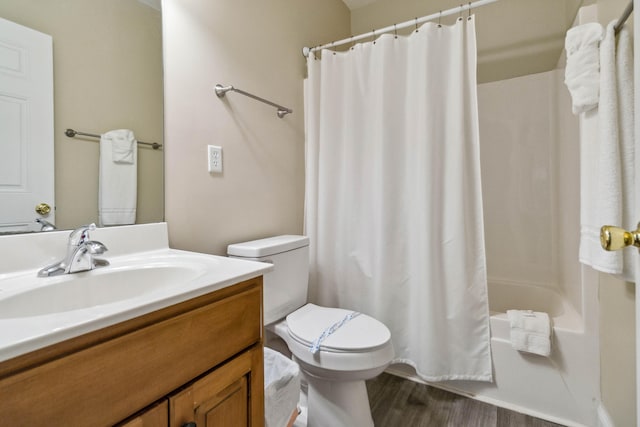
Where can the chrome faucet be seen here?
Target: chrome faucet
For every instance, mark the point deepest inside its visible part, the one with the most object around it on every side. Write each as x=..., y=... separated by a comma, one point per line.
x=45, y=225
x=80, y=251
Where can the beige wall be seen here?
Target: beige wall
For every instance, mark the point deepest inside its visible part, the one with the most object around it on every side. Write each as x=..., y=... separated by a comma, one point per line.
x=107, y=60
x=255, y=46
x=617, y=313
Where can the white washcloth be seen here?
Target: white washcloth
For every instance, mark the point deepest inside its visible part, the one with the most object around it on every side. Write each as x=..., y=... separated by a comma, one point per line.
x=582, y=74
x=530, y=331
x=123, y=144
x=608, y=161
x=117, y=194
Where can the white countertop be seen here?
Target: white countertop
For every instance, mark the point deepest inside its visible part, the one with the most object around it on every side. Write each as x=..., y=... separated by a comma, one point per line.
x=142, y=248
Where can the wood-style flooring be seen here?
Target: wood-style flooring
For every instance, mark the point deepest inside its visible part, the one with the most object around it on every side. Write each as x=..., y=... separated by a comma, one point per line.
x=396, y=402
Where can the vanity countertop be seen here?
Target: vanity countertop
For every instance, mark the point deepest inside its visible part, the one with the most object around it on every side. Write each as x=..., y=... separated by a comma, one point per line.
x=144, y=275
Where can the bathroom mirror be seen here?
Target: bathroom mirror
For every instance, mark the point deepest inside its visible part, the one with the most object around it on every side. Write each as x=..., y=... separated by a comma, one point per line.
x=107, y=68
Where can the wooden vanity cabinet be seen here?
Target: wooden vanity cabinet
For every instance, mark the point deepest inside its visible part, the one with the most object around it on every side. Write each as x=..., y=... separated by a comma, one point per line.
x=200, y=361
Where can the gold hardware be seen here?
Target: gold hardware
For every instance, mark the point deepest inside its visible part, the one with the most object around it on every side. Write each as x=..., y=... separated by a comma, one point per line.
x=614, y=238
x=43, y=209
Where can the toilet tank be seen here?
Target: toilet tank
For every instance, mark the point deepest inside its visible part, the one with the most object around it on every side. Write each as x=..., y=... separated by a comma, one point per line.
x=285, y=287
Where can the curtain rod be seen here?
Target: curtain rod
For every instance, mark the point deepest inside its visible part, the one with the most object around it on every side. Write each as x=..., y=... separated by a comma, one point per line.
x=414, y=22
x=624, y=17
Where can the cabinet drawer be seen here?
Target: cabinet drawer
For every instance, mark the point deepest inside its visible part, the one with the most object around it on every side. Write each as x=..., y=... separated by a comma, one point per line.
x=105, y=383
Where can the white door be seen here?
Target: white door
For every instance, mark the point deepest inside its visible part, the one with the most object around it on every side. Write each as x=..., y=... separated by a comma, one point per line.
x=26, y=127
x=636, y=77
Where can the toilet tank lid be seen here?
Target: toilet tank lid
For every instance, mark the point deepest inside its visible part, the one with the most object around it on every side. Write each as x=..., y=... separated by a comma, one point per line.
x=268, y=246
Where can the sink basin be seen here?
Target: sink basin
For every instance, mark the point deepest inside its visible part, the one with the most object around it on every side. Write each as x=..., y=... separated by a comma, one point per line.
x=96, y=288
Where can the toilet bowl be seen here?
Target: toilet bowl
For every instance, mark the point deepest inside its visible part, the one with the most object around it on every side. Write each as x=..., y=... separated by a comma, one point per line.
x=360, y=349
x=337, y=349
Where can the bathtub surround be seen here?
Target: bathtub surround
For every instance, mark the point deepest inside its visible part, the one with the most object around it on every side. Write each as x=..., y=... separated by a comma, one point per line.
x=393, y=201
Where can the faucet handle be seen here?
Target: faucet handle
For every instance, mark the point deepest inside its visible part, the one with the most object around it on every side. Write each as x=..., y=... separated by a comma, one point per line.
x=81, y=234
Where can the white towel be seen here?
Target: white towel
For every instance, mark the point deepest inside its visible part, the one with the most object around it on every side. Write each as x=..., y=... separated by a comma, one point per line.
x=582, y=75
x=625, y=89
x=608, y=161
x=118, y=184
x=123, y=144
x=530, y=331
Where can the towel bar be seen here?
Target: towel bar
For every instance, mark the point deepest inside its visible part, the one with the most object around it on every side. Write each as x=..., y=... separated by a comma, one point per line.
x=71, y=133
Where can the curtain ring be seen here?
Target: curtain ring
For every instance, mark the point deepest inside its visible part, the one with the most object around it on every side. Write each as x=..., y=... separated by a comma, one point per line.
x=395, y=32
x=374, y=36
x=416, y=24
x=439, y=17
x=469, y=10
x=351, y=48
x=461, y=12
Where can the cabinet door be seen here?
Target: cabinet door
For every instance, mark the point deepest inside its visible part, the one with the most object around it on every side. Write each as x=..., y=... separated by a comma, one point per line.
x=227, y=408
x=226, y=397
x=157, y=416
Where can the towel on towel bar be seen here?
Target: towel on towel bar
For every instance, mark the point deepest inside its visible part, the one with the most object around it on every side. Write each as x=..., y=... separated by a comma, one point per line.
x=530, y=331
x=123, y=145
x=117, y=193
x=607, y=159
x=582, y=73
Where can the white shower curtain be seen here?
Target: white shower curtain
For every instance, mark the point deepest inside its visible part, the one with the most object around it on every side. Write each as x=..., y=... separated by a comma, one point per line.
x=393, y=203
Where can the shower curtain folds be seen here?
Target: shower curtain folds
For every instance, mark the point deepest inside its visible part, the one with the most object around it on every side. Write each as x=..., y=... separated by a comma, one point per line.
x=393, y=202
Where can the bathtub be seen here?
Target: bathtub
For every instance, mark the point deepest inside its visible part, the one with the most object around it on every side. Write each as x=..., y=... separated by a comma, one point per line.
x=562, y=388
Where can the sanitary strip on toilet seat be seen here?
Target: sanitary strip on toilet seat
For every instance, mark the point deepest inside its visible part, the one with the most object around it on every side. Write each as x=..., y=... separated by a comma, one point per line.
x=330, y=330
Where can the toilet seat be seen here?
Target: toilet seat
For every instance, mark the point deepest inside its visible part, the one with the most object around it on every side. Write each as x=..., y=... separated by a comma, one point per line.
x=361, y=348
x=361, y=333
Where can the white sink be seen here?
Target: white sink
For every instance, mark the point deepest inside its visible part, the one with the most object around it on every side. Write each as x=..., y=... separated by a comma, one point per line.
x=106, y=285
x=144, y=275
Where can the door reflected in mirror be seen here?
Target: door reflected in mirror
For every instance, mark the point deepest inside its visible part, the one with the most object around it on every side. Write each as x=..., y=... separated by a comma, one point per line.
x=107, y=75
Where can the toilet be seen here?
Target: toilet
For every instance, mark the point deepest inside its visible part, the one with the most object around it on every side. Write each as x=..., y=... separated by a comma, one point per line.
x=337, y=349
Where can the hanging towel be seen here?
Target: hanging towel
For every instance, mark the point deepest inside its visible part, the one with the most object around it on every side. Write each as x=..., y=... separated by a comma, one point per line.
x=123, y=145
x=582, y=73
x=625, y=89
x=608, y=160
x=117, y=192
x=530, y=331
